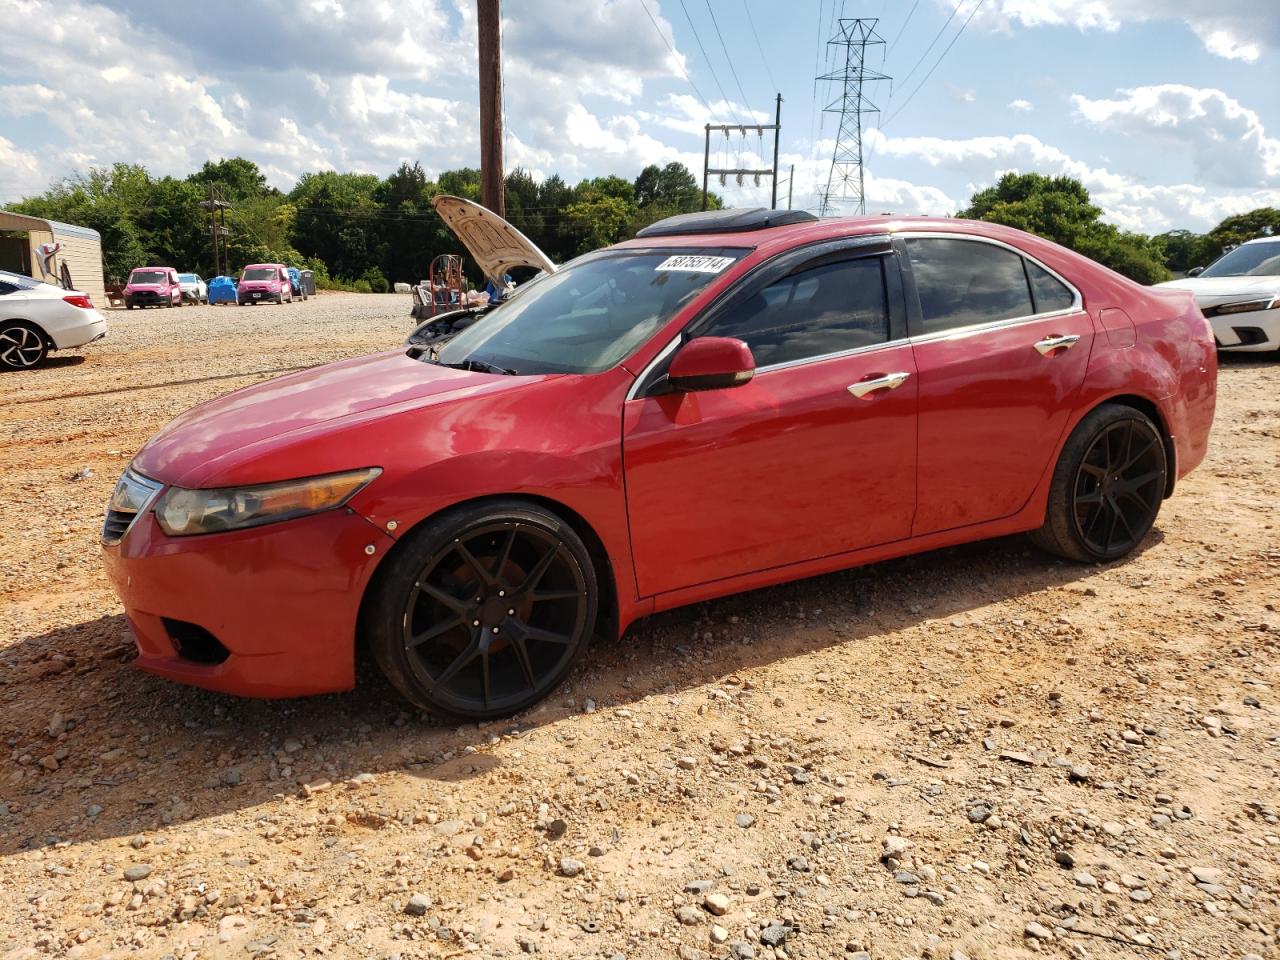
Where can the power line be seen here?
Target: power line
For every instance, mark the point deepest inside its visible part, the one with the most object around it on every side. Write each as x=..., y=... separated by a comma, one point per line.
x=727, y=102
x=941, y=56
x=760, y=46
x=897, y=35
x=732, y=70
x=676, y=58
x=938, y=36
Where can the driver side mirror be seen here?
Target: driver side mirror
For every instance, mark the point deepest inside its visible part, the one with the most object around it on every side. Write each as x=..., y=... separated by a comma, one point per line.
x=711, y=363
x=1195, y=271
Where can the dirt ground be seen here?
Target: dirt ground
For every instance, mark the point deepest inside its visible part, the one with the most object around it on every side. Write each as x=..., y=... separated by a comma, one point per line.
x=978, y=752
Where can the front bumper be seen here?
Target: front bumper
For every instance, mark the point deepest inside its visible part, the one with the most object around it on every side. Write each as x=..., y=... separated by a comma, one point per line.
x=281, y=601
x=1247, y=332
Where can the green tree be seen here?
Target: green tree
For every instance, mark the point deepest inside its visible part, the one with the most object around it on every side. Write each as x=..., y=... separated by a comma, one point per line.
x=670, y=186
x=1181, y=249
x=1060, y=209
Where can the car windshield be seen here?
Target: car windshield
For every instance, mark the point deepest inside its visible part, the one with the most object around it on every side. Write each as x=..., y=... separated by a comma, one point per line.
x=588, y=315
x=187, y=277
x=147, y=276
x=259, y=273
x=1248, y=260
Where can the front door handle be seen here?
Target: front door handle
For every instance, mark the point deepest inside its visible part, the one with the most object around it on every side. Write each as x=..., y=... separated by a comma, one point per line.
x=887, y=381
x=1057, y=342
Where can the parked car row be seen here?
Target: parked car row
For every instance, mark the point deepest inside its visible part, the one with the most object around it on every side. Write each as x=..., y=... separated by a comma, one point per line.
x=258, y=283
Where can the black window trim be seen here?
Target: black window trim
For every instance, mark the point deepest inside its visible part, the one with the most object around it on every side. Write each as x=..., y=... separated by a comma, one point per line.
x=915, y=315
x=784, y=264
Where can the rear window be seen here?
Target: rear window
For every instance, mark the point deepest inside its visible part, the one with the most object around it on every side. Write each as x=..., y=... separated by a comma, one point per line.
x=16, y=281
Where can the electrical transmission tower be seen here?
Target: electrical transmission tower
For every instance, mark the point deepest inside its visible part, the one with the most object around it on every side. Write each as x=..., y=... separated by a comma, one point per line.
x=845, y=182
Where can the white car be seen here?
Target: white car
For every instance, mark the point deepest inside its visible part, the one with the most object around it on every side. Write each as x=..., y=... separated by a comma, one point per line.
x=1239, y=294
x=194, y=289
x=38, y=317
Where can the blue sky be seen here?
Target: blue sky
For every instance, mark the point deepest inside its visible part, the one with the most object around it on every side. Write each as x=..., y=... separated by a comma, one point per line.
x=1167, y=109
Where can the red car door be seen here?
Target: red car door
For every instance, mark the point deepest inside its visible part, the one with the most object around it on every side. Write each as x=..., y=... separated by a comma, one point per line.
x=814, y=456
x=1001, y=346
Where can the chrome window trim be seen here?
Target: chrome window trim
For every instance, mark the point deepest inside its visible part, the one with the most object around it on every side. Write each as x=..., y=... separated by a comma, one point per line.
x=1077, y=307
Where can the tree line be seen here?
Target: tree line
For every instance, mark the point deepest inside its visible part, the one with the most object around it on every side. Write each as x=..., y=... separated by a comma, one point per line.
x=364, y=232
x=355, y=230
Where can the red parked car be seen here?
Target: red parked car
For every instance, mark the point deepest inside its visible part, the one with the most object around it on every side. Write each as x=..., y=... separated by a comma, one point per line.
x=264, y=283
x=730, y=400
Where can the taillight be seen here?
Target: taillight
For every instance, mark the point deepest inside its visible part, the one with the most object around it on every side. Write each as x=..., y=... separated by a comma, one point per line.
x=79, y=300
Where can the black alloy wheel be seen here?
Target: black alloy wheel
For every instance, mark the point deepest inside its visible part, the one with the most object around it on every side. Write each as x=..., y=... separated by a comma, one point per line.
x=1119, y=486
x=483, y=613
x=1107, y=488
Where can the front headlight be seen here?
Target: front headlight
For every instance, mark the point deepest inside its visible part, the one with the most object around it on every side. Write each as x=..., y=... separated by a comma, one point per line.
x=1249, y=306
x=182, y=513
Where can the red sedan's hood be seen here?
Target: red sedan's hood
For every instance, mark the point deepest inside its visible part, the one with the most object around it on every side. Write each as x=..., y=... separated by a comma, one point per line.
x=187, y=450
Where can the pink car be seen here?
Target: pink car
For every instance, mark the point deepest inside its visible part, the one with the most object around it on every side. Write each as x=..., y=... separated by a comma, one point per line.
x=153, y=287
x=264, y=283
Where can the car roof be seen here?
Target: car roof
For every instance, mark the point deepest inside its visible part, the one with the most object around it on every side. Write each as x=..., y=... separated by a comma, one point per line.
x=776, y=239
x=1275, y=239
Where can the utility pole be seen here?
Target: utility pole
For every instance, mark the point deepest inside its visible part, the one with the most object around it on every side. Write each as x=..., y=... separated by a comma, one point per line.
x=217, y=206
x=846, y=180
x=757, y=172
x=492, y=194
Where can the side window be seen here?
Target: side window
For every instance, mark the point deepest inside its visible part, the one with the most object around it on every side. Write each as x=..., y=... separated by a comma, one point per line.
x=812, y=312
x=6, y=288
x=1049, y=292
x=963, y=282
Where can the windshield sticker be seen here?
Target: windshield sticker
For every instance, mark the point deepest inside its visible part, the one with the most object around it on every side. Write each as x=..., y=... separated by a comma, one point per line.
x=692, y=263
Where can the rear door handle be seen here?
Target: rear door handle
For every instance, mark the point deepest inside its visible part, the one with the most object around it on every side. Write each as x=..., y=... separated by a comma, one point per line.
x=888, y=381
x=1057, y=342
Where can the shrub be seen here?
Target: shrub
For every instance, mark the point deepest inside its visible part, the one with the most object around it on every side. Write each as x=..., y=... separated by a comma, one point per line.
x=362, y=286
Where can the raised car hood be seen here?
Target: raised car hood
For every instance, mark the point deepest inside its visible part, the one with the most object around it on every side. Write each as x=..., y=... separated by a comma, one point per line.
x=188, y=450
x=1214, y=290
x=495, y=245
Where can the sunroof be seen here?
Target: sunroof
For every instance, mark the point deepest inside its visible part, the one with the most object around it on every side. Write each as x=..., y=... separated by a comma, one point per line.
x=724, y=221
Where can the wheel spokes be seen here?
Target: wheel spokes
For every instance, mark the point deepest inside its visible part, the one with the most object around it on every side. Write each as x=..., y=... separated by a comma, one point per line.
x=495, y=615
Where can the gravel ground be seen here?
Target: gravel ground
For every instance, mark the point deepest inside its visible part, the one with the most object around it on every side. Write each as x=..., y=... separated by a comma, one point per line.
x=978, y=752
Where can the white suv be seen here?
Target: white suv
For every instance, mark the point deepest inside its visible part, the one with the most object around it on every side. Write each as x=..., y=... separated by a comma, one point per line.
x=38, y=317
x=1239, y=294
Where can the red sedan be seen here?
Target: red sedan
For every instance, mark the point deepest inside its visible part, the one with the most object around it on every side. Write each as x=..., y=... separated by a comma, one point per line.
x=729, y=400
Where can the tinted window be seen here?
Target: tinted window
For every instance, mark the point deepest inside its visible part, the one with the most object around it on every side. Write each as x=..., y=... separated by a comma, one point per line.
x=821, y=310
x=963, y=282
x=1049, y=292
x=6, y=288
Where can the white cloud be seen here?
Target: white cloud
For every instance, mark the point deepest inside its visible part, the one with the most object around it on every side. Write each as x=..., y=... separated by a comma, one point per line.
x=1126, y=201
x=1225, y=140
x=1235, y=29
x=20, y=172
x=1022, y=106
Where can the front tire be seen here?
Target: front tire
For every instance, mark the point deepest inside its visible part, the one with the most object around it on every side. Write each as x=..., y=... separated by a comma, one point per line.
x=21, y=347
x=483, y=611
x=1107, y=487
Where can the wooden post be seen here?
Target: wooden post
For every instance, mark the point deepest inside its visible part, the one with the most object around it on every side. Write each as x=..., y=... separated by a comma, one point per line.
x=492, y=194
x=777, y=135
x=706, y=162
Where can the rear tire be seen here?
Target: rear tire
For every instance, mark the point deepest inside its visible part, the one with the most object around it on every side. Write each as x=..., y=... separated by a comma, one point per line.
x=1107, y=487
x=22, y=347
x=482, y=611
